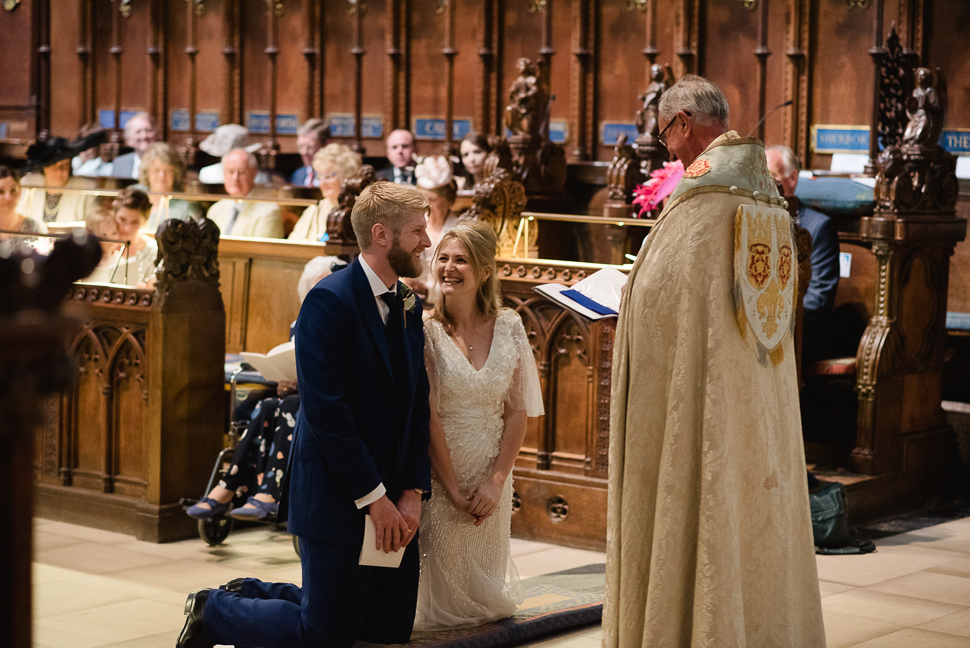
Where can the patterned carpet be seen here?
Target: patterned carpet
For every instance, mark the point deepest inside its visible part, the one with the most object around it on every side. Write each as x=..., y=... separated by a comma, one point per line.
x=553, y=603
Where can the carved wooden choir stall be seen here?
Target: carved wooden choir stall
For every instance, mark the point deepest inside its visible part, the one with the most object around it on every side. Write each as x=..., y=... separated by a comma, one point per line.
x=143, y=425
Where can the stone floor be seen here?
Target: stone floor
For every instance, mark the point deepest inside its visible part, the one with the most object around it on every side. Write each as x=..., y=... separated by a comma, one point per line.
x=95, y=588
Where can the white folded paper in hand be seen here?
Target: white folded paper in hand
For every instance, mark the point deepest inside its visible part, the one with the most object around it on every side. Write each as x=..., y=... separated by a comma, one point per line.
x=279, y=364
x=595, y=297
x=376, y=557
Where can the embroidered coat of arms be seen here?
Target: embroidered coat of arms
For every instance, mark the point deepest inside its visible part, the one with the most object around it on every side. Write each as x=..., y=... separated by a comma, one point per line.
x=764, y=277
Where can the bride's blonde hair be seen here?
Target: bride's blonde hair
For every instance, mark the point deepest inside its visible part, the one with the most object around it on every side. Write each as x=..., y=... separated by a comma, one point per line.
x=479, y=240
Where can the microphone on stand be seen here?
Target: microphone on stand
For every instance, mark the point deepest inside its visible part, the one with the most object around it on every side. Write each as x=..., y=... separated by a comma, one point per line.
x=762, y=120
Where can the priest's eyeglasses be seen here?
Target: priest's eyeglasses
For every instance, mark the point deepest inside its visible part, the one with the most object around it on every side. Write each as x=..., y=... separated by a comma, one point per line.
x=663, y=134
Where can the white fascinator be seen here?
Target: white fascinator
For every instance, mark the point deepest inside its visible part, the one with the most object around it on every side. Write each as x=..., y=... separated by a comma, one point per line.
x=434, y=171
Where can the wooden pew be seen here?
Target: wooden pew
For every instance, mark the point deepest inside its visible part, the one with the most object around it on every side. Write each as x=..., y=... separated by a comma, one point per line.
x=142, y=427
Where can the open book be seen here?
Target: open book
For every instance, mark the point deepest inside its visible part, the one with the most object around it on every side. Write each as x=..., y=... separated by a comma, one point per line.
x=595, y=297
x=376, y=557
x=279, y=364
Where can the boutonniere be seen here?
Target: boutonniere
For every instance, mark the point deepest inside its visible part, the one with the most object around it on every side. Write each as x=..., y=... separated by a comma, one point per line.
x=409, y=299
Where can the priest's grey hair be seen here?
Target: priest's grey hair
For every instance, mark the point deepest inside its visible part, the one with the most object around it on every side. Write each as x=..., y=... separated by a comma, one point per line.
x=788, y=159
x=316, y=269
x=698, y=96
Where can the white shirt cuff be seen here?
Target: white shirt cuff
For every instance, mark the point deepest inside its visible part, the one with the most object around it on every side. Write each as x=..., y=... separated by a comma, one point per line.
x=371, y=497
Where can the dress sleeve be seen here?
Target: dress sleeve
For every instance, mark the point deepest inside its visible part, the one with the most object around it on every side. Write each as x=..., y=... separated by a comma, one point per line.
x=430, y=362
x=525, y=392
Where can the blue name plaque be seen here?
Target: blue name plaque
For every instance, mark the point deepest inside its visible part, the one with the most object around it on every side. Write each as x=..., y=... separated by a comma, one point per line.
x=558, y=131
x=258, y=123
x=956, y=141
x=828, y=138
x=106, y=118
x=3, y=130
x=205, y=122
x=434, y=129
x=342, y=125
x=609, y=131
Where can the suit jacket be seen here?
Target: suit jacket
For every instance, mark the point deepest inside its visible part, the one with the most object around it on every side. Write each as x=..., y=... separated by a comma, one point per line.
x=351, y=435
x=260, y=219
x=298, y=179
x=388, y=174
x=72, y=207
x=820, y=294
x=123, y=166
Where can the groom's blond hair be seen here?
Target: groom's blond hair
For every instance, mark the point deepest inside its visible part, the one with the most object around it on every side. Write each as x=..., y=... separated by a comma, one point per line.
x=388, y=204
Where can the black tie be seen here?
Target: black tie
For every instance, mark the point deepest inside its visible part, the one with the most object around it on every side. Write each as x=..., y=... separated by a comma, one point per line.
x=393, y=328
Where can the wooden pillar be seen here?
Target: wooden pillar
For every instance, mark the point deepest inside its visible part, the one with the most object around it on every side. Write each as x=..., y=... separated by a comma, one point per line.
x=358, y=51
x=85, y=54
x=797, y=127
x=762, y=53
x=272, y=147
x=311, y=52
x=116, y=51
x=584, y=17
x=685, y=37
x=232, y=111
x=191, y=50
x=486, y=87
x=876, y=52
x=449, y=53
x=650, y=50
x=156, y=66
x=43, y=69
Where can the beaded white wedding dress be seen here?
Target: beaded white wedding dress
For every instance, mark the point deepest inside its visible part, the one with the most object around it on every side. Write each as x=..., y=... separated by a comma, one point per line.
x=467, y=574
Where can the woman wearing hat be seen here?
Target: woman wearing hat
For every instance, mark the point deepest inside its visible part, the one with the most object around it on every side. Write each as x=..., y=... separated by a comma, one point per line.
x=437, y=183
x=46, y=203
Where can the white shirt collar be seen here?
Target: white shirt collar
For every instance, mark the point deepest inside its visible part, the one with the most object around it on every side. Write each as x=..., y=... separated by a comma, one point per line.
x=375, y=282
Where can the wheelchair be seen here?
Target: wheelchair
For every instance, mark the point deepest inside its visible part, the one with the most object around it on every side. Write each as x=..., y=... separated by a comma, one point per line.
x=239, y=382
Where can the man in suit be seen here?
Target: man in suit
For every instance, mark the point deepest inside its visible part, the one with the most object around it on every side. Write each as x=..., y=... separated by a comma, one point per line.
x=360, y=446
x=820, y=293
x=400, y=152
x=237, y=217
x=140, y=133
x=310, y=138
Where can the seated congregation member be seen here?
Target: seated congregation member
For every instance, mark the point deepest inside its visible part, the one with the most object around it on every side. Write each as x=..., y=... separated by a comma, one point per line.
x=132, y=264
x=332, y=165
x=259, y=462
x=239, y=217
x=40, y=198
x=12, y=220
x=400, y=153
x=310, y=138
x=223, y=139
x=820, y=294
x=484, y=385
x=88, y=163
x=474, y=149
x=437, y=184
x=163, y=172
x=140, y=132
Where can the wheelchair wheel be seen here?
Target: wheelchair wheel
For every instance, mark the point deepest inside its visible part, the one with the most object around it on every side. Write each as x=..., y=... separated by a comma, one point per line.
x=215, y=530
x=296, y=546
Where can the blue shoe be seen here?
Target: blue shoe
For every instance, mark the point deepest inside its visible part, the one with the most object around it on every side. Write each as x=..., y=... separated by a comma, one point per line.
x=257, y=510
x=215, y=508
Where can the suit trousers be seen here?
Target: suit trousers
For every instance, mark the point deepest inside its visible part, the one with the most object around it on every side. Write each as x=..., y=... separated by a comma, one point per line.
x=339, y=603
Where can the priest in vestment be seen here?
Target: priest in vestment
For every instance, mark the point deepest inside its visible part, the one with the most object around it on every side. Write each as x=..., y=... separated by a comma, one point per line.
x=709, y=540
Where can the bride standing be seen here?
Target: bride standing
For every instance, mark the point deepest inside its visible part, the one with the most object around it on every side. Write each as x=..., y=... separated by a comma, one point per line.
x=484, y=384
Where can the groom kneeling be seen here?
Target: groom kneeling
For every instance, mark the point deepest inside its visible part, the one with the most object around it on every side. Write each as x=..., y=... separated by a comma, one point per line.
x=361, y=447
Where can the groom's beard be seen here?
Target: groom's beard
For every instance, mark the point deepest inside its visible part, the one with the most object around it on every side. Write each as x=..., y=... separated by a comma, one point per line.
x=402, y=261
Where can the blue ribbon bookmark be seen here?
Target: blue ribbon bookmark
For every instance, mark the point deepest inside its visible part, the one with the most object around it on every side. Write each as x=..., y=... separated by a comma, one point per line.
x=583, y=300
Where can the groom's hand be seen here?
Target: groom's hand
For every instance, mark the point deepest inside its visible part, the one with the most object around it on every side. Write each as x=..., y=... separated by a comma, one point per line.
x=390, y=528
x=409, y=505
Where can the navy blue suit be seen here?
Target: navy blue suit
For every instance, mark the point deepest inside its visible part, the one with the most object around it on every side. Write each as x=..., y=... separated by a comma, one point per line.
x=363, y=421
x=820, y=294
x=298, y=178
